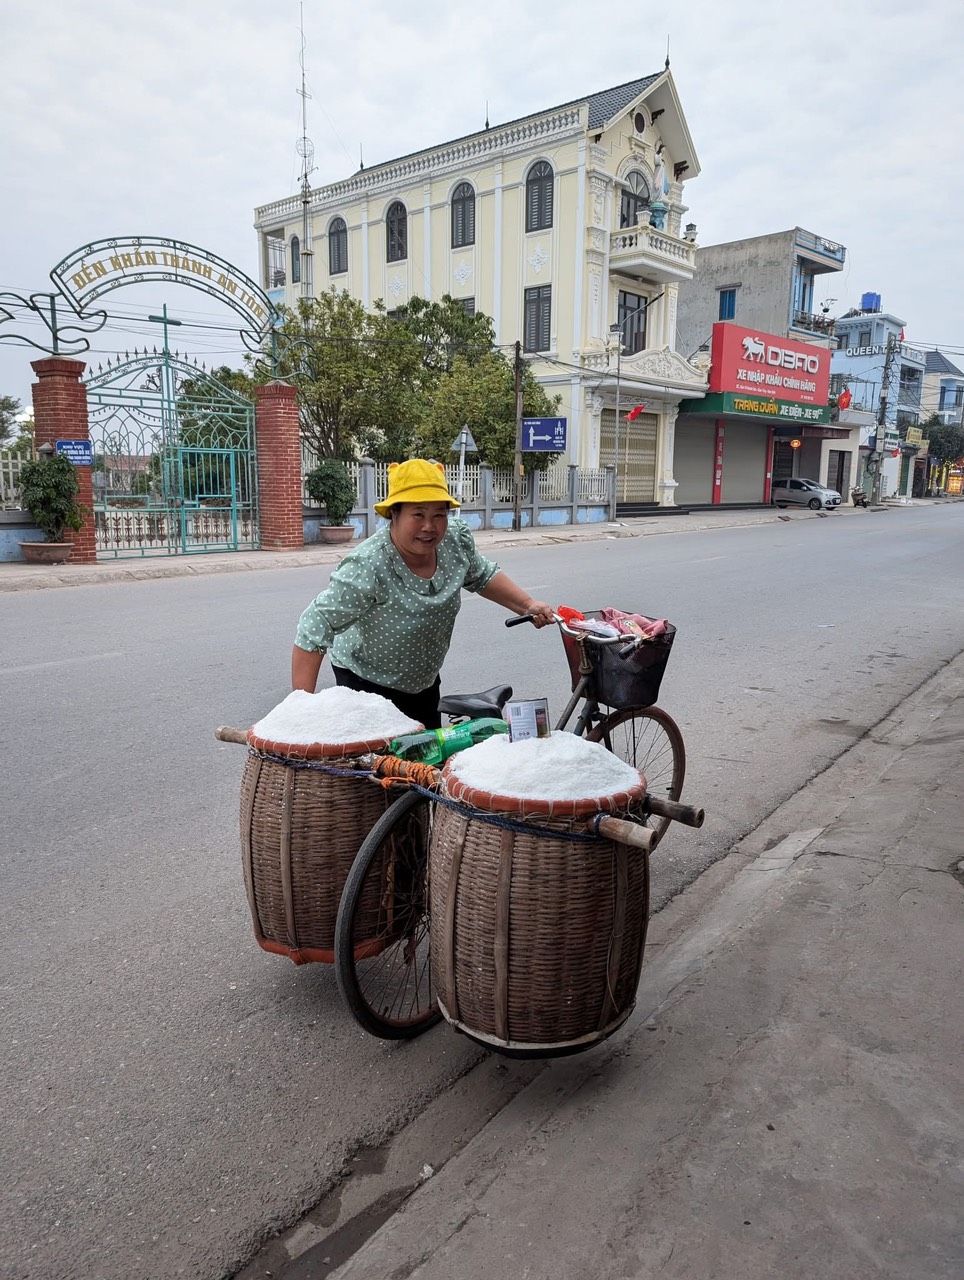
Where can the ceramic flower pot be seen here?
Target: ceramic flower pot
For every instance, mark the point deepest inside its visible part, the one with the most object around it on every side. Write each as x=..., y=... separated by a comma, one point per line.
x=336, y=532
x=46, y=552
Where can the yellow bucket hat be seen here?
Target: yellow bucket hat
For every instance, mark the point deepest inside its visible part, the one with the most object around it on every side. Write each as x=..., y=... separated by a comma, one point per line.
x=416, y=480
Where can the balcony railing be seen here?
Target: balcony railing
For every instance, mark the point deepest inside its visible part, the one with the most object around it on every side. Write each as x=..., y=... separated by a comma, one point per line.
x=652, y=254
x=813, y=323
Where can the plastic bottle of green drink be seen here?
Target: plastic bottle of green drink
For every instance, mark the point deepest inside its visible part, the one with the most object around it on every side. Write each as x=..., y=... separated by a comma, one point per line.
x=435, y=745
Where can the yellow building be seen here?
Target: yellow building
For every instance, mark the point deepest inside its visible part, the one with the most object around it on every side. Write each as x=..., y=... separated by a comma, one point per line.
x=566, y=227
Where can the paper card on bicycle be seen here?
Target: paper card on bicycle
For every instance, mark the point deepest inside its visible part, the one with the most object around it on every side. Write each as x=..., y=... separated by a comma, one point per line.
x=528, y=719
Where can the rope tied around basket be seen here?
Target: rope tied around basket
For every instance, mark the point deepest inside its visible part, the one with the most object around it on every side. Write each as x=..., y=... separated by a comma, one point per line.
x=391, y=771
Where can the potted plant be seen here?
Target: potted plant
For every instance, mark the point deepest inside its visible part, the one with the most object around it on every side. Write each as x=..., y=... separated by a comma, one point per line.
x=48, y=491
x=330, y=484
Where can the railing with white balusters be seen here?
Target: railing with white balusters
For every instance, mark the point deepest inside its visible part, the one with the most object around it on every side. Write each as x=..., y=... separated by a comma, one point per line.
x=563, y=494
x=9, y=481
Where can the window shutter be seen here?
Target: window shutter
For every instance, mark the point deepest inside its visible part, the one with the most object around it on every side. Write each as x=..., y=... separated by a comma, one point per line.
x=544, y=317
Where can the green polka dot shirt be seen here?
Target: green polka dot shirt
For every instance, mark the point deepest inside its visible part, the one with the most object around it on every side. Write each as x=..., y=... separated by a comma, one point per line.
x=384, y=622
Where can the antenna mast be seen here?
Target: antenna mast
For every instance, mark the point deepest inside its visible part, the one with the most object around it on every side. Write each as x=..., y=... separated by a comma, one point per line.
x=306, y=150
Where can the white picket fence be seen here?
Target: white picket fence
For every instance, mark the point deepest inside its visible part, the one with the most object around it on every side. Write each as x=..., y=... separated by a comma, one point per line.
x=553, y=483
x=9, y=481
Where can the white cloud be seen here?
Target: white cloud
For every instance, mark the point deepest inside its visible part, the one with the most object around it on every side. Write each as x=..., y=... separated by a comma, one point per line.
x=117, y=117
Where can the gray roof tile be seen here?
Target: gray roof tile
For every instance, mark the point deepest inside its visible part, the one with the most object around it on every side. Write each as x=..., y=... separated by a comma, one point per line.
x=937, y=362
x=603, y=106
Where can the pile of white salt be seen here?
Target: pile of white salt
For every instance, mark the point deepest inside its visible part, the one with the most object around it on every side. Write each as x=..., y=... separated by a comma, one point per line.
x=333, y=716
x=560, y=767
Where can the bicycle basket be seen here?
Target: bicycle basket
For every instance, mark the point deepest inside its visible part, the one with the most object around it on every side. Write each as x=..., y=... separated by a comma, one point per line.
x=618, y=682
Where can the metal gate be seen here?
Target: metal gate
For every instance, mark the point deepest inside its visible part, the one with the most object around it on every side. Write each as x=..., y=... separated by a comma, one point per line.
x=174, y=460
x=636, y=464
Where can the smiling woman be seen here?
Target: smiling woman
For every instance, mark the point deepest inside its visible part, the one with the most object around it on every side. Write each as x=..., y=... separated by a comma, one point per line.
x=388, y=612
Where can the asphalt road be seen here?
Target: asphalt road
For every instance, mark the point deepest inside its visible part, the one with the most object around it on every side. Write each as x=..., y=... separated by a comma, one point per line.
x=172, y=1093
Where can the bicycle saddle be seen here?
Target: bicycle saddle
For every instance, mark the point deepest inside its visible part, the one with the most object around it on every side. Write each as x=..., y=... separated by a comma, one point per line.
x=476, y=705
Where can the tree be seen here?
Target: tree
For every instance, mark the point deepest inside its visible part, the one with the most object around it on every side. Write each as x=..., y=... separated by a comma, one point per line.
x=481, y=396
x=9, y=409
x=444, y=330
x=355, y=373
x=946, y=439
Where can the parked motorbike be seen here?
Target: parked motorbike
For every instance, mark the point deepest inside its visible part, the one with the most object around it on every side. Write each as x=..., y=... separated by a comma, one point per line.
x=859, y=498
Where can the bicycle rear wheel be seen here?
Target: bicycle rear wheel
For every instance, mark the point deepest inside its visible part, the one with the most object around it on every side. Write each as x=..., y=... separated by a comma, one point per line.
x=649, y=740
x=382, y=959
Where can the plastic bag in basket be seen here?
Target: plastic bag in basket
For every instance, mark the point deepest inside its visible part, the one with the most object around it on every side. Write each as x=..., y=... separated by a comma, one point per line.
x=634, y=624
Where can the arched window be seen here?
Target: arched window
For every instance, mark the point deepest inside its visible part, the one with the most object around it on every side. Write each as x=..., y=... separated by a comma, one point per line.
x=463, y=215
x=539, y=197
x=634, y=200
x=337, y=247
x=396, y=232
x=295, y=245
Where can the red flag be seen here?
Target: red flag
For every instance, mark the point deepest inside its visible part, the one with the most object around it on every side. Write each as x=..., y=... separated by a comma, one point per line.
x=844, y=399
x=634, y=413
x=902, y=335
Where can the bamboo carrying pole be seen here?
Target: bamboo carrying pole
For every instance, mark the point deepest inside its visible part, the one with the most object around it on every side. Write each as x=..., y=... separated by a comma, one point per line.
x=618, y=829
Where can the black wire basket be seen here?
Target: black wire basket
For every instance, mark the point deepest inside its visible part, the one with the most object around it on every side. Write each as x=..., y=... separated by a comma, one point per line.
x=622, y=675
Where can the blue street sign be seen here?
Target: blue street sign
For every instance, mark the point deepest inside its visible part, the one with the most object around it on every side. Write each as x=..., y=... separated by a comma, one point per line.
x=544, y=435
x=78, y=451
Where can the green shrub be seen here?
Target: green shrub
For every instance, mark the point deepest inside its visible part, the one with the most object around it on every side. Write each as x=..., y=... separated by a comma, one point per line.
x=331, y=484
x=48, y=490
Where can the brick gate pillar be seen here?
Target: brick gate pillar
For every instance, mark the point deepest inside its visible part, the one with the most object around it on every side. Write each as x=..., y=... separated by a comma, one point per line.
x=60, y=413
x=278, y=437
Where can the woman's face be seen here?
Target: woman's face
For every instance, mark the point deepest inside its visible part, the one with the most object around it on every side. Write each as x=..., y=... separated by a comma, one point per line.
x=418, y=527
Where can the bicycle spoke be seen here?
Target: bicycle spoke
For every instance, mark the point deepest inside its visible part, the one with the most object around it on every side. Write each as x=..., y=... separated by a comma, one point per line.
x=649, y=740
x=389, y=987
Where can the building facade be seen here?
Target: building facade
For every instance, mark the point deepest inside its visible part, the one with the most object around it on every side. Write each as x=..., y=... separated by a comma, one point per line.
x=765, y=283
x=566, y=227
x=884, y=375
x=749, y=316
x=943, y=392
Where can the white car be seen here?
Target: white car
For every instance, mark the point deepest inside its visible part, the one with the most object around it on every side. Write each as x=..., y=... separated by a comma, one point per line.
x=804, y=493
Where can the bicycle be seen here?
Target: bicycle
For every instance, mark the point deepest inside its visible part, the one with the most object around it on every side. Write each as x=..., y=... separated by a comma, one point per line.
x=382, y=961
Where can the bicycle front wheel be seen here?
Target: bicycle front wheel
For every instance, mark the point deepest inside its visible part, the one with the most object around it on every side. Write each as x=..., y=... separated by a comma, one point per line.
x=649, y=740
x=382, y=960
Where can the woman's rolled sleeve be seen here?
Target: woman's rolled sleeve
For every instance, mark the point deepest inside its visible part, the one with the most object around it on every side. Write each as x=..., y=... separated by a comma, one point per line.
x=349, y=596
x=479, y=571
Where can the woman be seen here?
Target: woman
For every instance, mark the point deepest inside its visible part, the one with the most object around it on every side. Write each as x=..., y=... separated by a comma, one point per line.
x=388, y=612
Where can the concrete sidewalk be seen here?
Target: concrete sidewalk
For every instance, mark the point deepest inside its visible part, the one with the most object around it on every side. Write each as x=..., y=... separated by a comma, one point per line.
x=785, y=1102
x=18, y=576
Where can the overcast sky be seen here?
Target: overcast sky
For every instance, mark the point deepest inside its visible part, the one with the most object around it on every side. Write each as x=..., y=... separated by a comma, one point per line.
x=118, y=117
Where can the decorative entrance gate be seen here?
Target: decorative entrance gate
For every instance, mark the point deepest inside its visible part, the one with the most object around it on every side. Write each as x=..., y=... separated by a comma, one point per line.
x=174, y=460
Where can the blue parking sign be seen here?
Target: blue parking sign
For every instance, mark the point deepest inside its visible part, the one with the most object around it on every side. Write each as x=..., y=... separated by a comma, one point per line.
x=544, y=435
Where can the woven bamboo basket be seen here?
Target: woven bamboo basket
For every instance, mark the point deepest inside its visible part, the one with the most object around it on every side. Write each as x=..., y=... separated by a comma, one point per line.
x=300, y=831
x=537, y=941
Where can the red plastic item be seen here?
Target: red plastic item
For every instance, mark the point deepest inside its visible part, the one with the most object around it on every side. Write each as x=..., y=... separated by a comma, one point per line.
x=570, y=615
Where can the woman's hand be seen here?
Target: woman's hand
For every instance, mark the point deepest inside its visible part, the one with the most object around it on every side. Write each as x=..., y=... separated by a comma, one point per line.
x=511, y=596
x=542, y=614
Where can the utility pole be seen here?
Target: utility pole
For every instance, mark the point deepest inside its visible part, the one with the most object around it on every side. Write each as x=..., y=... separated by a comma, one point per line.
x=517, y=512
x=882, y=418
x=306, y=150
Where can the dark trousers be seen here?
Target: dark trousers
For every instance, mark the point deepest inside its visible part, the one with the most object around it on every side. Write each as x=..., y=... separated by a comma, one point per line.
x=420, y=706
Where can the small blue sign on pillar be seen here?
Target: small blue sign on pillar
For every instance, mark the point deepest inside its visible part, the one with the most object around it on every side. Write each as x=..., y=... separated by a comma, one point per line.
x=544, y=435
x=78, y=451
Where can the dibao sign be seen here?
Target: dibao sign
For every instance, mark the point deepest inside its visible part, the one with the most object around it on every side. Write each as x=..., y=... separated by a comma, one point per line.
x=544, y=435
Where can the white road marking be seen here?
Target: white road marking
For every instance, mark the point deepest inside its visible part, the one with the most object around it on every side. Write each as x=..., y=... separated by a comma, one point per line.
x=60, y=662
